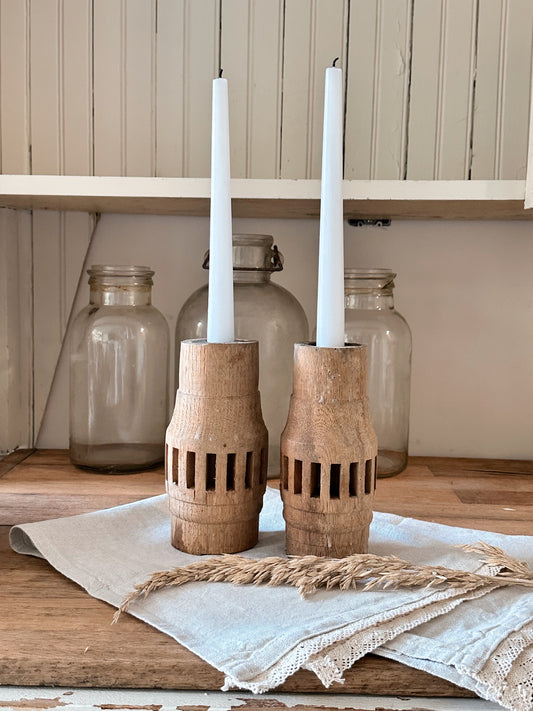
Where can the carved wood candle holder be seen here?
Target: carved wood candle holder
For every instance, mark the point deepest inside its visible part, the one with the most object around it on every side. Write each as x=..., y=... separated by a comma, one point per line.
x=216, y=449
x=328, y=454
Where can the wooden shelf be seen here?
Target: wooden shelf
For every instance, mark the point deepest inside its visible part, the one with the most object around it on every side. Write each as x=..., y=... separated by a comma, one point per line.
x=443, y=199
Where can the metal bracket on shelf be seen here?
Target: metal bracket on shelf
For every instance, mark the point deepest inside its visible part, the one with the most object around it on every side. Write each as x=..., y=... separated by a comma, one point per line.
x=370, y=222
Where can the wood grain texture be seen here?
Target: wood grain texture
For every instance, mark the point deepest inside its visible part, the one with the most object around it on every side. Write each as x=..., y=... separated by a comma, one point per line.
x=53, y=633
x=328, y=454
x=216, y=449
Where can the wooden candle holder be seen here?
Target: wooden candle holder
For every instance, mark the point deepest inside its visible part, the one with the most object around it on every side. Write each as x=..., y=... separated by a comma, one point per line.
x=328, y=454
x=216, y=449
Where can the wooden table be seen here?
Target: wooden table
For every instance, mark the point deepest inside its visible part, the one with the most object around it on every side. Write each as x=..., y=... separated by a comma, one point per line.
x=54, y=634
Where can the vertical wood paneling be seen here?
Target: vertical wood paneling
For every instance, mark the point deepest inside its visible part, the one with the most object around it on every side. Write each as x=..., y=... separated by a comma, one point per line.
x=60, y=242
x=76, y=60
x=315, y=33
x=200, y=66
x=45, y=81
x=377, y=89
x=528, y=202
x=123, y=87
x=78, y=228
x=139, y=89
x=442, y=81
x=169, y=87
x=456, y=105
x=16, y=377
x=187, y=52
x=487, y=112
x=14, y=86
x=516, y=90
x=47, y=316
x=108, y=78
x=251, y=51
x=236, y=52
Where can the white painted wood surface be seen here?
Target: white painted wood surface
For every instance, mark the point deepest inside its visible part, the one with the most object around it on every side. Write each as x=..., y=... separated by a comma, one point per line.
x=16, y=337
x=441, y=95
x=448, y=199
x=435, y=89
x=500, y=130
x=109, y=155
x=90, y=699
x=316, y=32
x=253, y=66
x=377, y=102
x=14, y=86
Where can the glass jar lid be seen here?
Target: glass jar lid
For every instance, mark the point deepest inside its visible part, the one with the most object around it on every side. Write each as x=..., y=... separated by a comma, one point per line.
x=369, y=279
x=253, y=253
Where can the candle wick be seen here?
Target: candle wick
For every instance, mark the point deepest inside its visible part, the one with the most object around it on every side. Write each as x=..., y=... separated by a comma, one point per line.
x=220, y=72
x=335, y=60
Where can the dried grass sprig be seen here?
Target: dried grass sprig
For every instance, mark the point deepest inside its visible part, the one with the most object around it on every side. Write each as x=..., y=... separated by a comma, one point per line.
x=498, y=559
x=309, y=573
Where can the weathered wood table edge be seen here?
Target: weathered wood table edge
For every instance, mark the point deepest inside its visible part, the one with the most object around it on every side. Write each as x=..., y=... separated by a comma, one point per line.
x=54, y=634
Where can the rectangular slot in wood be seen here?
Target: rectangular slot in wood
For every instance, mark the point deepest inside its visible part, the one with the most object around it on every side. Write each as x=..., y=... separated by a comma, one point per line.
x=230, y=473
x=354, y=466
x=190, y=469
x=249, y=470
x=210, y=471
x=175, y=464
x=368, y=476
x=314, y=488
x=334, y=481
x=297, y=476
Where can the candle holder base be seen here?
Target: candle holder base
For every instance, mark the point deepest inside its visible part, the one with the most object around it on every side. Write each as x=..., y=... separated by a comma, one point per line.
x=328, y=454
x=216, y=449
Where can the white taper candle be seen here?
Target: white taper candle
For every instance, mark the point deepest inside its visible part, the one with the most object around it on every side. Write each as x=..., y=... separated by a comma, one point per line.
x=220, y=319
x=330, y=302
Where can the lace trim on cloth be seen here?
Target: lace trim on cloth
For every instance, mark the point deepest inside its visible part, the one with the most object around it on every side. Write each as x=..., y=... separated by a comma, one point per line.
x=330, y=666
x=330, y=654
x=507, y=676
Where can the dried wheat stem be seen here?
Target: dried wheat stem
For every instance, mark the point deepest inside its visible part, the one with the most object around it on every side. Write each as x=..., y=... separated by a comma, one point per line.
x=309, y=573
x=497, y=558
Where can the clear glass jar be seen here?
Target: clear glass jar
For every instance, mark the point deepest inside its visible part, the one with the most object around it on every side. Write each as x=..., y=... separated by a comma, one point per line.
x=119, y=373
x=370, y=318
x=265, y=312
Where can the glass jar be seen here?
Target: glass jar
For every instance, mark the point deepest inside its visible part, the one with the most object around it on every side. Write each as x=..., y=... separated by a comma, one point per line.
x=370, y=318
x=118, y=373
x=265, y=312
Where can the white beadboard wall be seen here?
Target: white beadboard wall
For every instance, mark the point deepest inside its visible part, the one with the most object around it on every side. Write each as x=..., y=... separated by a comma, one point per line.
x=434, y=89
x=464, y=287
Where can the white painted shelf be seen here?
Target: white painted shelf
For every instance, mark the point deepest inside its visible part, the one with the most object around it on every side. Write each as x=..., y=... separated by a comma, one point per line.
x=409, y=199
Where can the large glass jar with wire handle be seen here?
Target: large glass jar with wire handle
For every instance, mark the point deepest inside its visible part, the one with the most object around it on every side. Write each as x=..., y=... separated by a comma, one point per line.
x=264, y=311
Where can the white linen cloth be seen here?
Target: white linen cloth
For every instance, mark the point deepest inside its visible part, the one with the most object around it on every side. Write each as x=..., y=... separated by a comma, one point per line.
x=257, y=636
